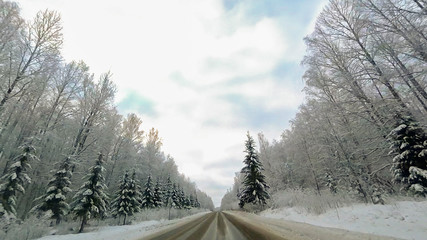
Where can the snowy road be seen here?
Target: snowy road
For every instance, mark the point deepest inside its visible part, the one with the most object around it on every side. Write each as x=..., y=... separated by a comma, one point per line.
x=238, y=225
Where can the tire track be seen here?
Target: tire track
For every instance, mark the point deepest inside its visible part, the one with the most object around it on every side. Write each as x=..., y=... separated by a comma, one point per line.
x=251, y=231
x=180, y=231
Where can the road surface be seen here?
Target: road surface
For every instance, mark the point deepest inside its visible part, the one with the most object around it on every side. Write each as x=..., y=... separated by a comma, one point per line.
x=239, y=225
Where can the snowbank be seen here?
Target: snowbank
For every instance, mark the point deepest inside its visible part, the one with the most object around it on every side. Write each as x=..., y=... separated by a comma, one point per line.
x=114, y=232
x=405, y=219
x=126, y=232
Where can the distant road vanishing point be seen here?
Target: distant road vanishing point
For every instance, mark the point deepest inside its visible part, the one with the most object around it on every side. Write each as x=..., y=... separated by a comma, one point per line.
x=239, y=225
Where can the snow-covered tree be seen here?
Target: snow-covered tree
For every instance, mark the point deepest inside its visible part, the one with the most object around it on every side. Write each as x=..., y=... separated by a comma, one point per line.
x=55, y=199
x=418, y=181
x=196, y=201
x=409, y=145
x=135, y=193
x=175, y=197
x=180, y=196
x=187, y=202
x=254, y=189
x=119, y=206
x=126, y=201
x=148, y=200
x=158, y=194
x=91, y=201
x=168, y=189
x=69, y=109
x=331, y=183
x=173, y=200
x=15, y=179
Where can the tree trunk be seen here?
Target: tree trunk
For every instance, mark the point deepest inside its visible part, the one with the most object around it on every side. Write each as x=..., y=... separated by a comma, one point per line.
x=124, y=220
x=311, y=166
x=82, y=225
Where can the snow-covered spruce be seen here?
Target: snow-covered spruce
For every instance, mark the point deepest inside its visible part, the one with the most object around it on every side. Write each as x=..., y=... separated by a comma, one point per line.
x=254, y=189
x=194, y=202
x=135, y=193
x=158, y=194
x=127, y=198
x=409, y=145
x=15, y=179
x=180, y=197
x=174, y=199
x=55, y=199
x=168, y=189
x=184, y=199
x=90, y=201
x=187, y=203
x=418, y=178
x=148, y=200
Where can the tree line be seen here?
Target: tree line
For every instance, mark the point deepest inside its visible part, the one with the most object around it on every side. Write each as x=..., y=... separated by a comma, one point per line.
x=362, y=128
x=56, y=116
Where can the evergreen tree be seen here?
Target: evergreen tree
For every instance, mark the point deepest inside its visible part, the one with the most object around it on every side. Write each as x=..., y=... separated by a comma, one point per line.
x=409, y=145
x=90, y=201
x=167, y=192
x=54, y=199
x=15, y=179
x=187, y=203
x=135, y=194
x=158, y=194
x=254, y=188
x=180, y=197
x=148, y=200
x=196, y=201
x=173, y=201
x=126, y=201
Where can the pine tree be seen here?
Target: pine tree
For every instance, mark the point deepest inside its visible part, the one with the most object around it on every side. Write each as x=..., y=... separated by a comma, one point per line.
x=167, y=192
x=173, y=201
x=135, y=194
x=409, y=145
x=187, y=203
x=254, y=185
x=15, y=179
x=90, y=201
x=158, y=194
x=54, y=199
x=180, y=197
x=175, y=196
x=148, y=195
x=196, y=201
x=126, y=201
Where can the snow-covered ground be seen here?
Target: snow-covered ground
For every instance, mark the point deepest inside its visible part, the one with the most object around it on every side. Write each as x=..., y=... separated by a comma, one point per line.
x=405, y=219
x=127, y=232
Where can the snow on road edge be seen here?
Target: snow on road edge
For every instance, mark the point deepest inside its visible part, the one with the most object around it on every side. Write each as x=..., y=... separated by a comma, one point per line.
x=405, y=219
x=126, y=232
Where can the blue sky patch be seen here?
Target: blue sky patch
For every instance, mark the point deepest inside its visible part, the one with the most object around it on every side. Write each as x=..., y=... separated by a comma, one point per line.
x=133, y=102
x=253, y=114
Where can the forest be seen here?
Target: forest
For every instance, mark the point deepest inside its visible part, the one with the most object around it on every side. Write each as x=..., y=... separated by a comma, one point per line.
x=58, y=124
x=361, y=132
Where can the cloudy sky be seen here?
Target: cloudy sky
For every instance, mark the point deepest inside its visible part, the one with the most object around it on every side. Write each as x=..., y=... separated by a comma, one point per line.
x=203, y=72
